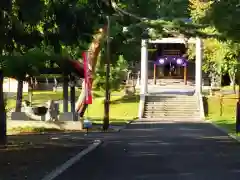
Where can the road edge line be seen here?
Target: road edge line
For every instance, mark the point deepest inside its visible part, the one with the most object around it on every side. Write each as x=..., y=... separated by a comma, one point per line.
x=223, y=130
x=60, y=169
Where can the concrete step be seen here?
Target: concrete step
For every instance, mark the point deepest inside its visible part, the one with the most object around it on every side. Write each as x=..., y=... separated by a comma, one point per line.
x=172, y=118
x=178, y=108
x=171, y=110
x=170, y=103
x=182, y=115
x=167, y=120
x=182, y=104
x=171, y=115
x=181, y=101
x=170, y=97
x=172, y=100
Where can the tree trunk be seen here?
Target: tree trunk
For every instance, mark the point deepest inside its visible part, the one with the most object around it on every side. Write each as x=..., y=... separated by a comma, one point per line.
x=30, y=90
x=94, y=50
x=233, y=81
x=80, y=104
x=19, y=96
x=3, y=125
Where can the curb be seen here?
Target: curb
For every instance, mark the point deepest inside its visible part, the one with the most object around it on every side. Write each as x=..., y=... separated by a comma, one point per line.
x=62, y=168
x=223, y=131
x=43, y=133
x=126, y=125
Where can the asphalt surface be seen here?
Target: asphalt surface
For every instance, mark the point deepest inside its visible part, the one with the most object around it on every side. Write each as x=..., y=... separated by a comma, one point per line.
x=31, y=157
x=168, y=151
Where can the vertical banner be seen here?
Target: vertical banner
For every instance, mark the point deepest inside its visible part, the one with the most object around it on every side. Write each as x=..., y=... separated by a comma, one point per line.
x=87, y=79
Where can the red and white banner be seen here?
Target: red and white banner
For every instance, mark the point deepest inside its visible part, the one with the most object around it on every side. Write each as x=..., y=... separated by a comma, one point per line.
x=87, y=79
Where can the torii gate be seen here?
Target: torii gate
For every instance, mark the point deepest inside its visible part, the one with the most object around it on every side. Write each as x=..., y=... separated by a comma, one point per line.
x=144, y=67
x=144, y=61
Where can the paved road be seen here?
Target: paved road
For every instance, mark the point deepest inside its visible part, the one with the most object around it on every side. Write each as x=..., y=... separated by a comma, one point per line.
x=31, y=157
x=172, y=151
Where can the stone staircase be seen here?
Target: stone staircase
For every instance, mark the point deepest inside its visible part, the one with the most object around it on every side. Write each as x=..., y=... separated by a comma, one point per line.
x=172, y=107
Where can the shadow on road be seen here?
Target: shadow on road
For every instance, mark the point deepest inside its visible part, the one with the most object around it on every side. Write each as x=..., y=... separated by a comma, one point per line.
x=152, y=151
x=30, y=157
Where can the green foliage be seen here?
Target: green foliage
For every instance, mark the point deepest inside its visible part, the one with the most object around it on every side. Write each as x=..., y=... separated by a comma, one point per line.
x=224, y=15
x=29, y=64
x=66, y=27
x=18, y=66
x=198, y=9
x=117, y=74
x=220, y=56
x=154, y=9
x=33, y=34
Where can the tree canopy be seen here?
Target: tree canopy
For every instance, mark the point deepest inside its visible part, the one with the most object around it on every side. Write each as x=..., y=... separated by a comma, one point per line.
x=67, y=27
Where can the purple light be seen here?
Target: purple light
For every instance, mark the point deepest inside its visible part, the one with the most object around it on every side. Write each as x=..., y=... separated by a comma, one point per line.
x=179, y=61
x=161, y=61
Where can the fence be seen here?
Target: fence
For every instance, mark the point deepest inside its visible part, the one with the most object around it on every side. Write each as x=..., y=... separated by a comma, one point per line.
x=221, y=102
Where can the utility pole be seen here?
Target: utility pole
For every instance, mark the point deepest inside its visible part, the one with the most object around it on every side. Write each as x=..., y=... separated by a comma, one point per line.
x=107, y=90
x=238, y=110
x=3, y=123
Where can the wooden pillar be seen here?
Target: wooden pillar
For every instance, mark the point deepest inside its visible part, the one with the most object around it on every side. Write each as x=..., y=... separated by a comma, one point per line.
x=65, y=93
x=72, y=98
x=170, y=70
x=178, y=70
x=154, y=74
x=185, y=75
x=72, y=94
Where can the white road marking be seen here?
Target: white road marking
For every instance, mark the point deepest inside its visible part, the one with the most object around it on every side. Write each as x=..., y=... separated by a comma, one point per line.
x=59, y=170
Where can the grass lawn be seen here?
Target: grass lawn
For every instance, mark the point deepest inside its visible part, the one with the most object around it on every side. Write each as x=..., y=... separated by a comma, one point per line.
x=227, y=120
x=122, y=108
x=40, y=97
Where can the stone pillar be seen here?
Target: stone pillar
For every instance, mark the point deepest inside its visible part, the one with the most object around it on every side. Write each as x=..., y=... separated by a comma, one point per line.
x=198, y=66
x=144, y=67
x=138, y=79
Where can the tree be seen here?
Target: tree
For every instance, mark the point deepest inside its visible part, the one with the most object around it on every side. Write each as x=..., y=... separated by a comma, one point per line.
x=117, y=75
x=3, y=125
x=5, y=43
x=223, y=51
x=223, y=15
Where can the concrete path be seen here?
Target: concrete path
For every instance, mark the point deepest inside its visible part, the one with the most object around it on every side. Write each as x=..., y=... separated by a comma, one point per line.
x=168, y=151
